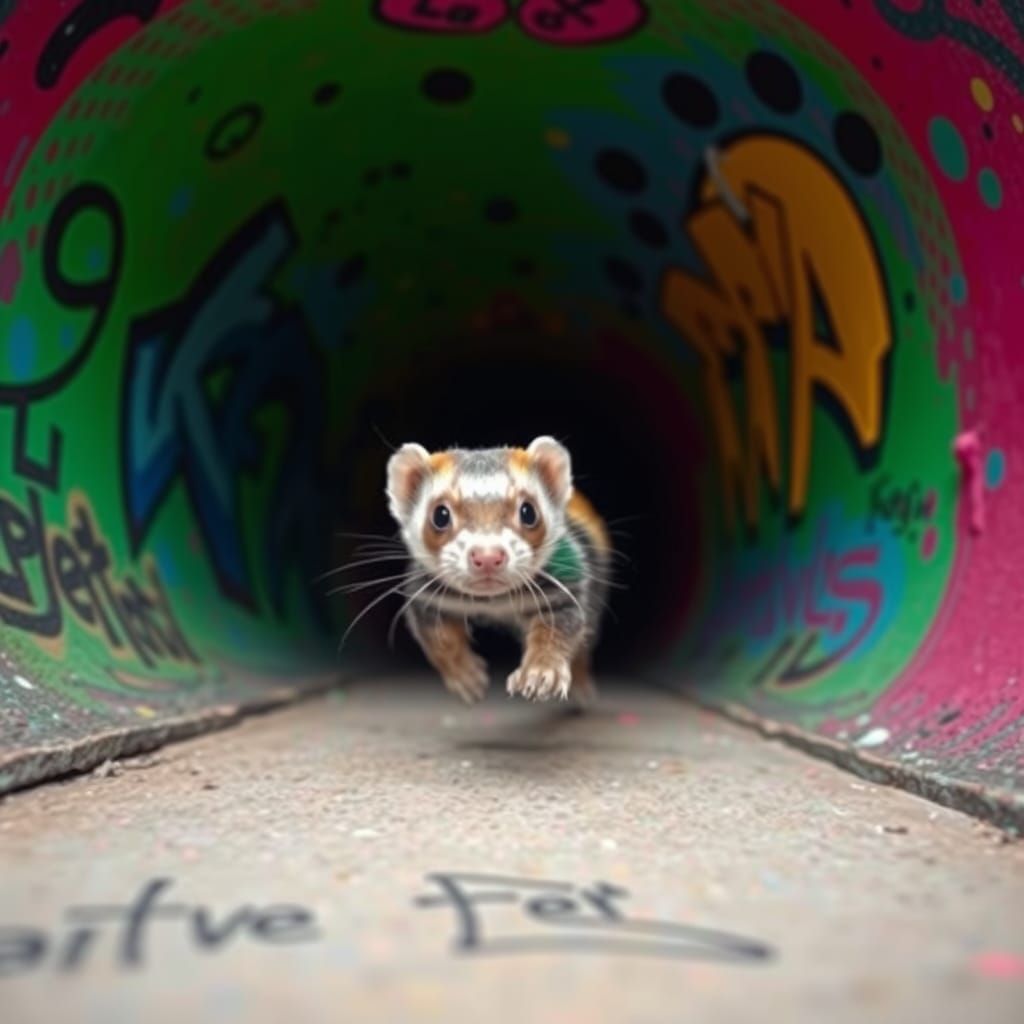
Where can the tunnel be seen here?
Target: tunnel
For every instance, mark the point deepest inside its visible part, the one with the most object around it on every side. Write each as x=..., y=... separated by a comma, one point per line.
x=756, y=264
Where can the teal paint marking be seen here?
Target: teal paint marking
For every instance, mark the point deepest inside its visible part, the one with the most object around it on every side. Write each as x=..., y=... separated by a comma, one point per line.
x=564, y=564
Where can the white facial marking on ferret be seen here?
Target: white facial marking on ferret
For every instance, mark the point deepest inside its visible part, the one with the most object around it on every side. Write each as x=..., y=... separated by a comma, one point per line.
x=482, y=548
x=492, y=487
x=457, y=559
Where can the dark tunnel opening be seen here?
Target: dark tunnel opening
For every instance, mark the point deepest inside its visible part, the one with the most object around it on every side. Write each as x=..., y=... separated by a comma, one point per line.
x=635, y=450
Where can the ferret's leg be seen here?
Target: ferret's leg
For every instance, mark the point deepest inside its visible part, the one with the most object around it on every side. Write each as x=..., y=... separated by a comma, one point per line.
x=550, y=643
x=445, y=642
x=583, y=689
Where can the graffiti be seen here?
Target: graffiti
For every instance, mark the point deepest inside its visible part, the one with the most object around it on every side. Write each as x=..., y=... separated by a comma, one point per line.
x=799, y=616
x=95, y=295
x=559, y=22
x=453, y=16
x=232, y=132
x=48, y=569
x=771, y=267
x=904, y=509
x=574, y=918
x=198, y=374
x=24, y=949
x=88, y=18
x=931, y=20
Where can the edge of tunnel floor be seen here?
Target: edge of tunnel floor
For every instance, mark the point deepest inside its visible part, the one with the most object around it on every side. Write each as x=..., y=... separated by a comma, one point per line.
x=998, y=807
x=32, y=767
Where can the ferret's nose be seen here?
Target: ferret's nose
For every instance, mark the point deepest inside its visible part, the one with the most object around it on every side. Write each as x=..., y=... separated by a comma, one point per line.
x=487, y=559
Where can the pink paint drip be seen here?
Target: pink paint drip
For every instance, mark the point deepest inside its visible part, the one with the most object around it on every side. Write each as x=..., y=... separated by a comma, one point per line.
x=967, y=448
x=999, y=965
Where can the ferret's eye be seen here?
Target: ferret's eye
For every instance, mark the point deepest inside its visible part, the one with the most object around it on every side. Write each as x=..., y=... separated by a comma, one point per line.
x=442, y=517
x=528, y=514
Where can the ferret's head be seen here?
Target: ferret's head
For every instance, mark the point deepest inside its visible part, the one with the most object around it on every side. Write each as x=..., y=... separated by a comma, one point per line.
x=482, y=521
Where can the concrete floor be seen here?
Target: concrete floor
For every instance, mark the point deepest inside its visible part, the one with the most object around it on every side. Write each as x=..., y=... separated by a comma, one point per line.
x=654, y=863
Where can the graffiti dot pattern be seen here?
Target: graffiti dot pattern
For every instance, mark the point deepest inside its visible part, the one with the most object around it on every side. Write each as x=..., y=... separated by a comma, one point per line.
x=982, y=94
x=990, y=187
x=447, y=85
x=858, y=144
x=690, y=100
x=621, y=171
x=948, y=148
x=774, y=82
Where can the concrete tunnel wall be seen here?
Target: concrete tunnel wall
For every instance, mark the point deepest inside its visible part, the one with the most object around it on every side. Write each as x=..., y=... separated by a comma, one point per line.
x=759, y=263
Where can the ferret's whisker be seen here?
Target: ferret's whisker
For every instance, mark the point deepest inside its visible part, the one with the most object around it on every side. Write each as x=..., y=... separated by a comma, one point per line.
x=523, y=588
x=437, y=605
x=565, y=589
x=367, y=536
x=534, y=585
x=614, y=552
x=607, y=581
x=373, y=604
x=358, y=564
x=408, y=603
x=373, y=552
x=351, y=588
x=638, y=517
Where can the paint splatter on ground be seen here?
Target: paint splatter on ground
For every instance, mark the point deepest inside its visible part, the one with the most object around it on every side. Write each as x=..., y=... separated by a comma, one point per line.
x=999, y=965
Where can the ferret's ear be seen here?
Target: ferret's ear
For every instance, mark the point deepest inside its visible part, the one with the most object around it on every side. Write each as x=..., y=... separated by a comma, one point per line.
x=553, y=465
x=407, y=470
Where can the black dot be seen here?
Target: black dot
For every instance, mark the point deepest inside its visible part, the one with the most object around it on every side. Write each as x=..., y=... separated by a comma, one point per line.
x=401, y=169
x=326, y=93
x=774, y=82
x=857, y=143
x=986, y=130
x=372, y=176
x=909, y=301
x=690, y=100
x=501, y=211
x=351, y=270
x=648, y=229
x=447, y=85
x=523, y=267
x=876, y=63
x=194, y=94
x=623, y=274
x=621, y=170
x=4, y=44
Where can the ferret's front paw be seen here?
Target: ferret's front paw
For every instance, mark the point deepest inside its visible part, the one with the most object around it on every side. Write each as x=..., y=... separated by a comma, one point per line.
x=469, y=679
x=541, y=679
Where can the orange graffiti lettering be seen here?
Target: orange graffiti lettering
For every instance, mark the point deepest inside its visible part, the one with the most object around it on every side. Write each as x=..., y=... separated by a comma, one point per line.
x=801, y=258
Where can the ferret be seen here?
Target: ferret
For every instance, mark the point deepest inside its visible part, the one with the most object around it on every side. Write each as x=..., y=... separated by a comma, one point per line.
x=501, y=535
